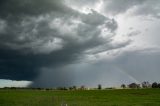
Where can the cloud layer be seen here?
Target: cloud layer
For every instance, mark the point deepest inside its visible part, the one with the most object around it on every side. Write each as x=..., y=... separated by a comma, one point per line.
x=47, y=40
x=48, y=33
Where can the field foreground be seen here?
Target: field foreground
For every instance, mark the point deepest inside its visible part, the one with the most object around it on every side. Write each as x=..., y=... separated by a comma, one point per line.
x=126, y=97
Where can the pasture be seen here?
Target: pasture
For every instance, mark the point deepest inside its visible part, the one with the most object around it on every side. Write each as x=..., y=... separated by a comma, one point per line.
x=121, y=97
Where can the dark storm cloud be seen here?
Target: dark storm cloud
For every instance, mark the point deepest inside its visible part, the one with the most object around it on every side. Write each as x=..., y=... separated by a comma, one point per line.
x=45, y=33
x=15, y=65
x=17, y=8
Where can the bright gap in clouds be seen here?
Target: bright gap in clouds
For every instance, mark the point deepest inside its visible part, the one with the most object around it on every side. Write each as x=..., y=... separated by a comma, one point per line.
x=14, y=83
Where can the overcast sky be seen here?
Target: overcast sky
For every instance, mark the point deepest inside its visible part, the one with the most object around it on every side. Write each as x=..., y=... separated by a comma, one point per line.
x=77, y=42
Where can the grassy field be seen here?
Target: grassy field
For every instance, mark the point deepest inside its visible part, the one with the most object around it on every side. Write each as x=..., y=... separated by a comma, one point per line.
x=128, y=97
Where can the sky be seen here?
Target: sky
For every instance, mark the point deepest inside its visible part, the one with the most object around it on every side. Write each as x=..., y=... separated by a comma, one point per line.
x=52, y=43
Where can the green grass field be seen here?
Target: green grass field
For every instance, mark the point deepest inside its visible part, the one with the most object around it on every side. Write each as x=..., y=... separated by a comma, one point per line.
x=127, y=97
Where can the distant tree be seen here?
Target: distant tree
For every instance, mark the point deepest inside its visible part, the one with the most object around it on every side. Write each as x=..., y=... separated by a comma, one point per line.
x=74, y=87
x=62, y=88
x=146, y=84
x=70, y=88
x=154, y=85
x=134, y=85
x=158, y=85
x=123, y=86
x=99, y=86
x=82, y=87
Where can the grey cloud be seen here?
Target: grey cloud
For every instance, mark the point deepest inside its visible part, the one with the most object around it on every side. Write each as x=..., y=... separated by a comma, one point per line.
x=79, y=74
x=133, y=33
x=94, y=18
x=106, y=47
x=80, y=3
x=29, y=7
x=141, y=65
x=120, y=6
x=57, y=78
x=136, y=7
x=149, y=8
x=45, y=41
x=112, y=25
x=131, y=66
x=47, y=34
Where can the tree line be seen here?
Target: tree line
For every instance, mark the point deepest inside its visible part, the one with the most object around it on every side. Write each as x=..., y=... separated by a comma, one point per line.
x=144, y=84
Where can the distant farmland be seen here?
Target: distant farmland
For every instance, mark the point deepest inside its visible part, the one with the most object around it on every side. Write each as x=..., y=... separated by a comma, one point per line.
x=123, y=97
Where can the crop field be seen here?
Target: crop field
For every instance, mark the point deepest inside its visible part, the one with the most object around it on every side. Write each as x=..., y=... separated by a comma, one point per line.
x=121, y=97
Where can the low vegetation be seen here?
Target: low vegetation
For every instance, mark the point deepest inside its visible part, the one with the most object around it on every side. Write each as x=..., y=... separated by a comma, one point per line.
x=110, y=97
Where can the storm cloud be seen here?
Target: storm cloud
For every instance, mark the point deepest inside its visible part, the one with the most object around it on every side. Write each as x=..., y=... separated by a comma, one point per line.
x=37, y=34
x=47, y=41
